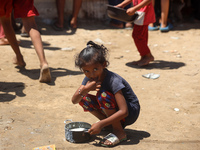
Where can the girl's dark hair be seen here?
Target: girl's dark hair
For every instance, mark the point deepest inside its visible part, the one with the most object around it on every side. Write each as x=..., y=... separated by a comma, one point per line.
x=93, y=53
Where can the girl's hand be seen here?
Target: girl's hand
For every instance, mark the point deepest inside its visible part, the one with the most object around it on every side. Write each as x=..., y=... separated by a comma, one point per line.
x=131, y=11
x=95, y=128
x=93, y=86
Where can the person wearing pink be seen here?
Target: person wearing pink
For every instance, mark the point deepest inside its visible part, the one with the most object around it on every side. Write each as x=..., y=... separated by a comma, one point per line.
x=3, y=39
x=140, y=30
x=24, y=9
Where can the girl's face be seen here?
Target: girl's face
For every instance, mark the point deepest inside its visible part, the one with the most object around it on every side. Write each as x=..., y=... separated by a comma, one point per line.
x=94, y=71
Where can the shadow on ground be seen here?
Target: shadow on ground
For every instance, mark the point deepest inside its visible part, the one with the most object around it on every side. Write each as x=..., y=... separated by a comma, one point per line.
x=159, y=64
x=7, y=88
x=55, y=73
x=133, y=137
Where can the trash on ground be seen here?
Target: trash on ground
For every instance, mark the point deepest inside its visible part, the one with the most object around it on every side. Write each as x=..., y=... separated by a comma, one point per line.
x=118, y=57
x=68, y=49
x=176, y=109
x=175, y=38
x=151, y=76
x=48, y=147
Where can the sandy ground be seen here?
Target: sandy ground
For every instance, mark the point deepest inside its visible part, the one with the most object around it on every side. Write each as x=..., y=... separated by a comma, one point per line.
x=32, y=114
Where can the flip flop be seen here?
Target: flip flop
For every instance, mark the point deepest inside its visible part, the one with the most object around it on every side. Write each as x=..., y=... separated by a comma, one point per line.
x=113, y=139
x=153, y=28
x=167, y=28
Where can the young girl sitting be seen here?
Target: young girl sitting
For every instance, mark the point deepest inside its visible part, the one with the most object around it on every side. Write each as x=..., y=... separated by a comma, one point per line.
x=114, y=104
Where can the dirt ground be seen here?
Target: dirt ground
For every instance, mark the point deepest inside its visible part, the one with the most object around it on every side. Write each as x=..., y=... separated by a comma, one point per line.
x=32, y=114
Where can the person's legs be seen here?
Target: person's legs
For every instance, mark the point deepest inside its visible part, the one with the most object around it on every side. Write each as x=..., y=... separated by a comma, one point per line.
x=140, y=36
x=31, y=28
x=164, y=12
x=3, y=39
x=117, y=126
x=10, y=35
x=60, y=5
x=76, y=7
x=151, y=25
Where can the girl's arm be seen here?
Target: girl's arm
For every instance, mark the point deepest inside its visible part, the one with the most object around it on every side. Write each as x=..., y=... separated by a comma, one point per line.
x=78, y=95
x=124, y=3
x=132, y=10
x=84, y=89
x=116, y=117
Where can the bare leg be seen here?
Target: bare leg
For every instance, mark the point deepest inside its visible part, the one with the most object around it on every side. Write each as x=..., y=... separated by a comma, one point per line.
x=60, y=4
x=164, y=12
x=76, y=7
x=31, y=28
x=117, y=127
x=10, y=34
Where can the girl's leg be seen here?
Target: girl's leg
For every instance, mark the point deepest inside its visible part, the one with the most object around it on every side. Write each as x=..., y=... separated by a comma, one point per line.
x=31, y=28
x=10, y=35
x=140, y=36
x=107, y=101
x=76, y=7
x=117, y=126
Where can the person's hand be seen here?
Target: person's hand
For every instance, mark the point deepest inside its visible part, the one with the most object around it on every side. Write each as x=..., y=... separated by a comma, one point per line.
x=95, y=128
x=119, y=6
x=93, y=86
x=131, y=11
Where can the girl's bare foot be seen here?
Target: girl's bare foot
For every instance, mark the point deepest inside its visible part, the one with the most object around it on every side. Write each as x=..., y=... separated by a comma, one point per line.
x=145, y=60
x=4, y=41
x=19, y=62
x=135, y=62
x=45, y=75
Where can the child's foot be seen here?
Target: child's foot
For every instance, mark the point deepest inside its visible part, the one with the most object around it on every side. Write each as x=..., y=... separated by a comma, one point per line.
x=45, y=75
x=4, y=41
x=114, y=139
x=73, y=23
x=135, y=62
x=19, y=62
x=145, y=60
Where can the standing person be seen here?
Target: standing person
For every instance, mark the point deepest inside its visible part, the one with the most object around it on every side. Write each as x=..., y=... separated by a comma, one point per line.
x=24, y=9
x=117, y=23
x=60, y=5
x=3, y=39
x=140, y=30
x=114, y=104
x=165, y=26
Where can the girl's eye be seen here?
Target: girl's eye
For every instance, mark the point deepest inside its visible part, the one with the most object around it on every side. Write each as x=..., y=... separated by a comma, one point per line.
x=86, y=71
x=95, y=69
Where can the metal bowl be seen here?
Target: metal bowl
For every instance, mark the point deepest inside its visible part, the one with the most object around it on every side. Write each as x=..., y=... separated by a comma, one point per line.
x=120, y=14
x=77, y=136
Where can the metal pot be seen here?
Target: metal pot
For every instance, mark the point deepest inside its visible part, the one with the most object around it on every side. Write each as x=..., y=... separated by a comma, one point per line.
x=77, y=132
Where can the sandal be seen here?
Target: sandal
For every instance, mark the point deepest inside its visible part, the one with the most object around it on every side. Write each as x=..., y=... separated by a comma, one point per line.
x=113, y=139
x=167, y=28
